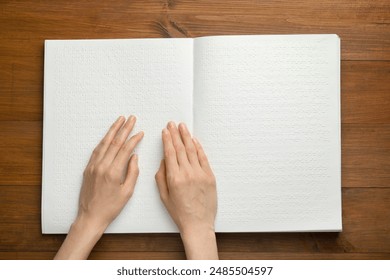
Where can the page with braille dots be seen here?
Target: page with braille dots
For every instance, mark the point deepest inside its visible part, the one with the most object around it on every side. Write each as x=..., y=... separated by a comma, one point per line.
x=267, y=110
x=88, y=84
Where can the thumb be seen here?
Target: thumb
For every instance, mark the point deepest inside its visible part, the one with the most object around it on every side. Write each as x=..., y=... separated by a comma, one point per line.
x=162, y=181
x=132, y=175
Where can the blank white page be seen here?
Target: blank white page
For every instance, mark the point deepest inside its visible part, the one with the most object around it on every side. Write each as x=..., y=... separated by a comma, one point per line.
x=88, y=84
x=267, y=110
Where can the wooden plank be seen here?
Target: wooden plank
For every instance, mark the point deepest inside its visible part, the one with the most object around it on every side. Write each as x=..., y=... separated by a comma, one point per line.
x=17, y=236
x=79, y=20
x=21, y=87
x=44, y=255
x=64, y=8
x=20, y=165
x=21, y=47
x=20, y=204
x=366, y=220
x=366, y=228
x=365, y=136
x=21, y=133
x=362, y=25
x=302, y=256
x=365, y=92
x=21, y=74
x=365, y=154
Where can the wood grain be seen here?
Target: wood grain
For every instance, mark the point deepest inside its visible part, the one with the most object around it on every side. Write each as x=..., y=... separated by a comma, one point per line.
x=363, y=25
x=42, y=255
x=365, y=212
x=364, y=29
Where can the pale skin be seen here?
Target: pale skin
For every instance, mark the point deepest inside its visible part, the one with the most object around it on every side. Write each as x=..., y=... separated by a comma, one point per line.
x=185, y=181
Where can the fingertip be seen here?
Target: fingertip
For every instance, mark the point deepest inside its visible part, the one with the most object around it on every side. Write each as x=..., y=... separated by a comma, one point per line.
x=171, y=124
x=165, y=135
x=119, y=122
x=184, y=129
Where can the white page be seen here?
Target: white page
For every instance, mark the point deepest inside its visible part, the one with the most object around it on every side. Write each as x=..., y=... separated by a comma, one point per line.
x=88, y=84
x=267, y=110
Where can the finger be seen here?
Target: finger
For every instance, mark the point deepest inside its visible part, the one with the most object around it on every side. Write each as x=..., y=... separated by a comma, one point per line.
x=169, y=152
x=203, y=161
x=102, y=147
x=181, y=154
x=119, y=140
x=161, y=181
x=131, y=175
x=189, y=144
x=127, y=149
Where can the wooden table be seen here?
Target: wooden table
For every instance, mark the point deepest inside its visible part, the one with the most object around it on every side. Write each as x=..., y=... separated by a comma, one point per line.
x=364, y=28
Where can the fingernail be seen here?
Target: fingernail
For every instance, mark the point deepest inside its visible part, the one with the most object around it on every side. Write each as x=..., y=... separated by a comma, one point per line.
x=171, y=124
x=118, y=119
x=165, y=131
x=183, y=126
x=132, y=118
x=135, y=157
x=141, y=133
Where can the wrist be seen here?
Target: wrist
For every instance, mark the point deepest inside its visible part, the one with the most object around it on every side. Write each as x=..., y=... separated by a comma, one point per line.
x=200, y=243
x=191, y=233
x=88, y=226
x=82, y=237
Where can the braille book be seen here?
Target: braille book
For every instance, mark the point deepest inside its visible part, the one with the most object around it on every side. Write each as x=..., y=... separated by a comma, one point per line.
x=265, y=107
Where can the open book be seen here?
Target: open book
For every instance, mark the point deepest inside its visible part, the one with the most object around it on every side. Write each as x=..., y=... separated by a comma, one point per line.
x=266, y=109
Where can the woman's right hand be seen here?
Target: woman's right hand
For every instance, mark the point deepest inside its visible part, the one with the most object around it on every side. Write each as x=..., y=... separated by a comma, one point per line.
x=188, y=190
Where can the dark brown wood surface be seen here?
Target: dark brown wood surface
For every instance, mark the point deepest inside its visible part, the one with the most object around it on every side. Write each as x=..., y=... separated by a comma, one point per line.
x=364, y=29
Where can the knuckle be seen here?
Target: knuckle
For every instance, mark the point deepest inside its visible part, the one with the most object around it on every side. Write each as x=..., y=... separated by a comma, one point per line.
x=96, y=151
x=112, y=173
x=179, y=147
x=103, y=142
x=116, y=142
x=176, y=181
x=189, y=177
x=168, y=153
x=99, y=170
x=190, y=149
x=128, y=147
